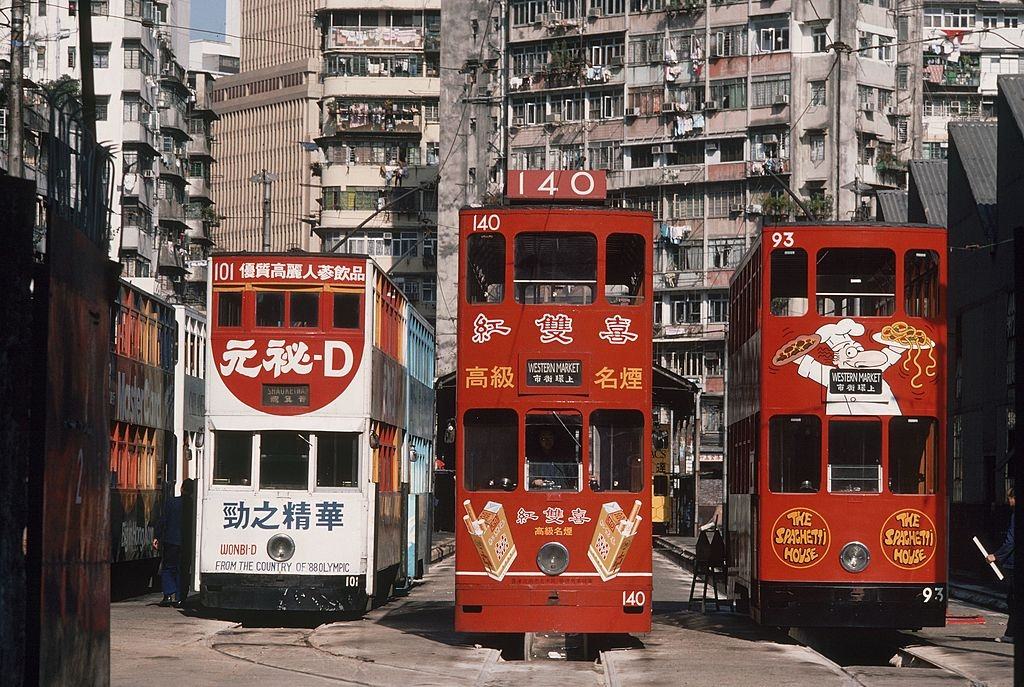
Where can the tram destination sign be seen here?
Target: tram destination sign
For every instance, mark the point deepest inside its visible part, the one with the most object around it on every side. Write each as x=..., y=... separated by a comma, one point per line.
x=855, y=381
x=557, y=184
x=286, y=394
x=554, y=373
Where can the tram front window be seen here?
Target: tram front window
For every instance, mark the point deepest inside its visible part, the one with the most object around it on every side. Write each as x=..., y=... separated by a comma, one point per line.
x=855, y=456
x=232, y=458
x=795, y=454
x=490, y=448
x=616, y=459
x=553, y=451
x=284, y=460
x=856, y=282
x=913, y=455
x=555, y=267
x=337, y=459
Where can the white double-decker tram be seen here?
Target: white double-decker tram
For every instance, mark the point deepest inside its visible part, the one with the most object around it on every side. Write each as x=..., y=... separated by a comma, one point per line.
x=303, y=486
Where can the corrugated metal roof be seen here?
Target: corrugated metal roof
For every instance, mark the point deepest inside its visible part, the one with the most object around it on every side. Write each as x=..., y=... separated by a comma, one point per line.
x=976, y=144
x=893, y=205
x=1012, y=88
x=930, y=181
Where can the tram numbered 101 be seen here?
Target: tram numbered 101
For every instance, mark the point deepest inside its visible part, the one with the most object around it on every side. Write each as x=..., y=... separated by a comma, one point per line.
x=318, y=378
x=554, y=421
x=837, y=436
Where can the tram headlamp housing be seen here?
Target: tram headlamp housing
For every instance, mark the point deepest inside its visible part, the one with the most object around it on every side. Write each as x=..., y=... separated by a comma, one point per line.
x=854, y=557
x=280, y=547
x=553, y=558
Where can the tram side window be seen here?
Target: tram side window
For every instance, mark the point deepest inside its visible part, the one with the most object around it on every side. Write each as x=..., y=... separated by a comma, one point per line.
x=855, y=456
x=304, y=309
x=913, y=455
x=616, y=451
x=346, y=311
x=491, y=449
x=229, y=308
x=270, y=309
x=485, y=268
x=232, y=461
x=856, y=282
x=624, y=269
x=795, y=454
x=284, y=460
x=337, y=459
x=789, y=282
x=555, y=267
x=921, y=283
x=553, y=448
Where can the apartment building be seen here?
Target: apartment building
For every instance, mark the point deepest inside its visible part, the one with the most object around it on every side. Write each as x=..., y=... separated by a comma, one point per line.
x=379, y=138
x=701, y=112
x=965, y=46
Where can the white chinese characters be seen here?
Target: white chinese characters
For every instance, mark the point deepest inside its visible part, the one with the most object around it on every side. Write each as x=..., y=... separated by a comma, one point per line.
x=616, y=330
x=555, y=328
x=523, y=516
x=484, y=328
x=282, y=357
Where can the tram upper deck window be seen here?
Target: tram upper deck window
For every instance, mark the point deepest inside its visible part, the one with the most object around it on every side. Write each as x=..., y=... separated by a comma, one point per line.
x=229, y=308
x=304, y=308
x=794, y=458
x=913, y=455
x=921, y=283
x=337, y=459
x=485, y=268
x=553, y=449
x=232, y=458
x=624, y=269
x=855, y=456
x=270, y=308
x=555, y=267
x=616, y=450
x=856, y=282
x=490, y=446
x=284, y=460
x=346, y=310
x=789, y=282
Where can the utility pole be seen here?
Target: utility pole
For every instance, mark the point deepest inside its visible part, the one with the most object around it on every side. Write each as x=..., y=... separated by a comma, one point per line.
x=265, y=178
x=16, y=123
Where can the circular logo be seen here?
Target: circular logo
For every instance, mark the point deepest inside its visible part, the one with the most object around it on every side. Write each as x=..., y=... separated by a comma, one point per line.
x=800, y=538
x=908, y=538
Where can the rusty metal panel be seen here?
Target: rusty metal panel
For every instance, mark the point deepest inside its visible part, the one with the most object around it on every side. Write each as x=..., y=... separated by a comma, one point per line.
x=387, y=395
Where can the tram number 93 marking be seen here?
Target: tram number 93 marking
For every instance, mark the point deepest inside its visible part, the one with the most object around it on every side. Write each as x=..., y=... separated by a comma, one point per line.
x=486, y=222
x=634, y=598
x=782, y=238
x=936, y=594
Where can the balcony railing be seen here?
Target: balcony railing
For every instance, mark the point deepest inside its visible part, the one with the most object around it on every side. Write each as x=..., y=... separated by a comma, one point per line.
x=767, y=167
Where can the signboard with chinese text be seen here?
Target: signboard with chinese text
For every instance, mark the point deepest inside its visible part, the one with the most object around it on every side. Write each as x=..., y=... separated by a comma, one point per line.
x=286, y=394
x=554, y=373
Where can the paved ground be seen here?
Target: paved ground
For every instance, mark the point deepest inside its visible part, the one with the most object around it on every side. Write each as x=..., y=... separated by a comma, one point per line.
x=410, y=642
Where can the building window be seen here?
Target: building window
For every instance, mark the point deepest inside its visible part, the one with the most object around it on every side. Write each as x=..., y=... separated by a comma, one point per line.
x=730, y=94
x=768, y=91
x=428, y=290
x=819, y=39
x=102, y=106
x=773, y=38
x=718, y=307
x=817, y=146
x=101, y=56
x=42, y=8
x=72, y=53
x=686, y=309
x=902, y=130
x=885, y=51
x=819, y=90
x=902, y=77
x=725, y=253
x=41, y=57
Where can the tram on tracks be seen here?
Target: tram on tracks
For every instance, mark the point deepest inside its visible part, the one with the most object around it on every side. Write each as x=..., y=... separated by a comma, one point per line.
x=553, y=426
x=304, y=484
x=836, y=438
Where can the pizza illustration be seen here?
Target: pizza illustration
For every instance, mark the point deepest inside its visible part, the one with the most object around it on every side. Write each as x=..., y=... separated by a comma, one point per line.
x=795, y=348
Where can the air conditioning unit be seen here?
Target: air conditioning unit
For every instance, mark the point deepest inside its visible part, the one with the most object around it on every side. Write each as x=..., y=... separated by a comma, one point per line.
x=387, y=236
x=518, y=121
x=551, y=18
x=737, y=209
x=668, y=107
x=754, y=209
x=555, y=118
x=594, y=13
x=657, y=150
x=635, y=112
x=782, y=99
x=711, y=105
x=891, y=110
x=868, y=106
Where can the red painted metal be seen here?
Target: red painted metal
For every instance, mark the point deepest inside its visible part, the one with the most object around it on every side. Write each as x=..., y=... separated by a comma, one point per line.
x=495, y=341
x=556, y=184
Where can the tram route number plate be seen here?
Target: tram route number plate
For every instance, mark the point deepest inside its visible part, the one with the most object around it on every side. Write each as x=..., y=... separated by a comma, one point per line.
x=286, y=394
x=855, y=381
x=554, y=373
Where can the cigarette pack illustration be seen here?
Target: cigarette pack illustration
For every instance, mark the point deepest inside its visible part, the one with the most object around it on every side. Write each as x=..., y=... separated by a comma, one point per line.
x=492, y=537
x=612, y=538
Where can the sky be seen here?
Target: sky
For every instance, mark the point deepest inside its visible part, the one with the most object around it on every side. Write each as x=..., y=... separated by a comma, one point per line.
x=209, y=15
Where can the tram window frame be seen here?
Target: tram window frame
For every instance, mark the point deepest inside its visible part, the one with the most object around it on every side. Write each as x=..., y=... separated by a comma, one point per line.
x=785, y=299
x=628, y=263
x=296, y=298
x=809, y=482
x=301, y=440
x=926, y=452
x=350, y=319
x=554, y=476
x=921, y=286
x=229, y=308
x=548, y=272
x=850, y=266
x=265, y=297
x=323, y=440
x=482, y=266
x=241, y=459
x=842, y=441
x=500, y=432
x=602, y=479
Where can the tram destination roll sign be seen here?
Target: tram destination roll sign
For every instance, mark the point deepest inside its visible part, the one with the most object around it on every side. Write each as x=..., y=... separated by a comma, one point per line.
x=855, y=381
x=286, y=394
x=554, y=373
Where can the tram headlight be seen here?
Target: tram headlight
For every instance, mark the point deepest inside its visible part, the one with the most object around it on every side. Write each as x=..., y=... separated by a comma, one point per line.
x=280, y=547
x=553, y=558
x=854, y=557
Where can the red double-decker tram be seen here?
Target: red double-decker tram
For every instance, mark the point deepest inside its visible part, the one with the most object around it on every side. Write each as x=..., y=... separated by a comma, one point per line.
x=554, y=421
x=836, y=442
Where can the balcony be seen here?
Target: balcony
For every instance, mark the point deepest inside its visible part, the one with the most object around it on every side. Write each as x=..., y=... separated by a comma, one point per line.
x=173, y=118
x=198, y=187
x=198, y=271
x=200, y=146
x=965, y=73
x=767, y=167
x=171, y=211
x=375, y=38
x=138, y=134
x=137, y=239
x=365, y=120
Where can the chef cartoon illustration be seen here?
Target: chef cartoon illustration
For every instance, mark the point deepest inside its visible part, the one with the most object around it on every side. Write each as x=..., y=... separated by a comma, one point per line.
x=854, y=382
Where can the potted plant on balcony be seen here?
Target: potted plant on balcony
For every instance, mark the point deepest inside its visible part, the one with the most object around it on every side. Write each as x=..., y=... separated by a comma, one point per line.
x=820, y=206
x=777, y=207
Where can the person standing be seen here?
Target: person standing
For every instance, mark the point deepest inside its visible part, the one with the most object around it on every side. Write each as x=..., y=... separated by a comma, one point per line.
x=1004, y=557
x=168, y=543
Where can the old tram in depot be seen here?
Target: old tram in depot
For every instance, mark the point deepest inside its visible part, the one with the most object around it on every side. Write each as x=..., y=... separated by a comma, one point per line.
x=316, y=473
x=553, y=437
x=836, y=442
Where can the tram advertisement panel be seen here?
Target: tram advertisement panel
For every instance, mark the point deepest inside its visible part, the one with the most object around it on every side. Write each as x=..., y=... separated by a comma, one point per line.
x=325, y=529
